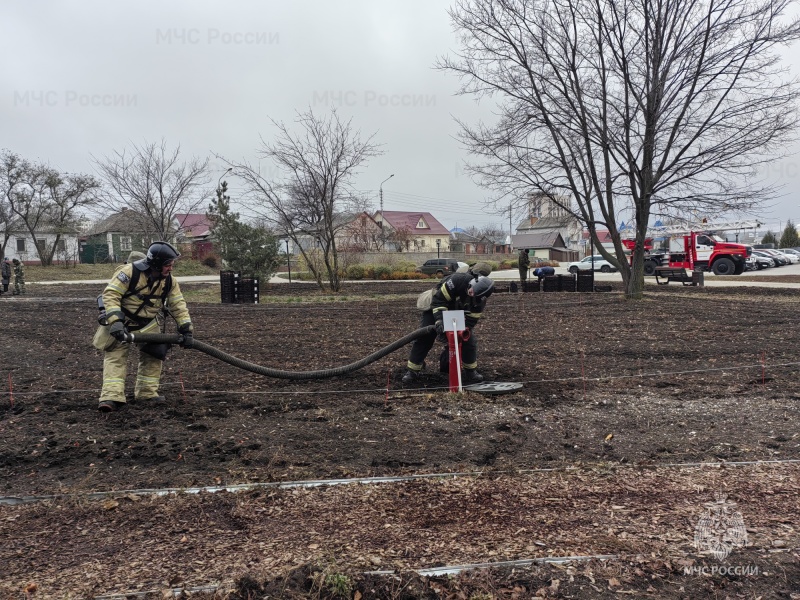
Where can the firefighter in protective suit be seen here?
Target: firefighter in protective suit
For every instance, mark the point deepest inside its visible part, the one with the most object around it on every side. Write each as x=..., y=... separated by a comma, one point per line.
x=136, y=299
x=459, y=291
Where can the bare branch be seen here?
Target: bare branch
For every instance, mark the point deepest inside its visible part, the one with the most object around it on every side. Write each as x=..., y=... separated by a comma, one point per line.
x=311, y=189
x=627, y=107
x=152, y=181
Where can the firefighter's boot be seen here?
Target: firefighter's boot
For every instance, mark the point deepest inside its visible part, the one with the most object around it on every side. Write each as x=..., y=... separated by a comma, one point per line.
x=411, y=377
x=471, y=376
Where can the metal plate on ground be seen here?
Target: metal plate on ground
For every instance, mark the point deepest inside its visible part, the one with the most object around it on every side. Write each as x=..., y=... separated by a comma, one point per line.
x=494, y=387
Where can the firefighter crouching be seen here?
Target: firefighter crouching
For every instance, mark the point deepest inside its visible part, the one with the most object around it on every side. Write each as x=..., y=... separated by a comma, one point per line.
x=459, y=291
x=137, y=299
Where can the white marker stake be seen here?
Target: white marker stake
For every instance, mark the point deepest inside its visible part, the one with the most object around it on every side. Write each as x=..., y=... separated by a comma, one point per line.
x=458, y=358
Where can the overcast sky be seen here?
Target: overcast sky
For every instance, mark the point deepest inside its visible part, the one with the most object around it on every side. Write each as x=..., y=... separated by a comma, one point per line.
x=84, y=77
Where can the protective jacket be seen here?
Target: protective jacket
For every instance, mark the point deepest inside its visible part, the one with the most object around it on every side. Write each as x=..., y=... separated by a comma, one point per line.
x=451, y=294
x=6, y=272
x=542, y=272
x=137, y=298
x=524, y=260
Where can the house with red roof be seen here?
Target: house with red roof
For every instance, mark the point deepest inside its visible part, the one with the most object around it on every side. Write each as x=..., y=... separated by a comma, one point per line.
x=195, y=229
x=606, y=241
x=413, y=231
x=193, y=226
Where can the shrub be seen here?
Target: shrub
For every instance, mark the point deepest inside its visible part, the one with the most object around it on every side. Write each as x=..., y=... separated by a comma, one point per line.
x=406, y=266
x=355, y=272
x=381, y=272
x=211, y=262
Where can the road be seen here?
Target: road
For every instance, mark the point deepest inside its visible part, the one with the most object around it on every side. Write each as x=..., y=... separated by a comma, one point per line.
x=513, y=275
x=710, y=280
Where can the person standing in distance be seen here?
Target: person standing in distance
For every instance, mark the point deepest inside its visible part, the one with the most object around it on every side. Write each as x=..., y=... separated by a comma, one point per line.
x=19, y=277
x=524, y=263
x=6, y=275
x=137, y=298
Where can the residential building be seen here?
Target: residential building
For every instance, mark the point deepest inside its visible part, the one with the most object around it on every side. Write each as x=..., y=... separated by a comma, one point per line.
x=113, y=238
x=194, y=229
x=461, y=241
x=358, y=232
x=412, y=231
x=548, y=214
x=21, y=245
x=588, y=248
x=548, y=245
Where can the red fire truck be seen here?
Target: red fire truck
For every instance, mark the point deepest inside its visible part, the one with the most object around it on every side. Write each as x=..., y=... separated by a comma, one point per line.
x=699, y=249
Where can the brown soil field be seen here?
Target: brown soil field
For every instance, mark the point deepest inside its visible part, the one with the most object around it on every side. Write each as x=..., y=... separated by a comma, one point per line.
x=598, y=454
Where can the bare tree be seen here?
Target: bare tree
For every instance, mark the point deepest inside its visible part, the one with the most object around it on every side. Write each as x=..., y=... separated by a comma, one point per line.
x=637, y=107
x=13, y=173
x=154, y=182
x=316, y=165
x=43, y=200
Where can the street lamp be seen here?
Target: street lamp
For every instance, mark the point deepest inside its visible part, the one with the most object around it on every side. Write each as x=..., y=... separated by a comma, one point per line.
x=438, y=245
x=380, y=187
x=228, y=170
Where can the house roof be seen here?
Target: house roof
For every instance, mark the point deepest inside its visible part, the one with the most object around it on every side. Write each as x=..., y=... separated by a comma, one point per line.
x=409, y=221
x=353, y=218
x=534, y=223
x=603, y=236
x=547, y=239
x=462, y=236
x=193, y=224
x=125, y=221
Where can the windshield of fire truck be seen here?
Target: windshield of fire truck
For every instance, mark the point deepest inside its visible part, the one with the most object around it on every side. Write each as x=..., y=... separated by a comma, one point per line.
x=708, y=239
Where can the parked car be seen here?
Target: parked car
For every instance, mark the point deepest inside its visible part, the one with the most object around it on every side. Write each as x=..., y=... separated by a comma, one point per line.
x=793, y=257
x=779, y=257
x=757, y=263
x=773, y=260
x=438, y=266
x=600, y=264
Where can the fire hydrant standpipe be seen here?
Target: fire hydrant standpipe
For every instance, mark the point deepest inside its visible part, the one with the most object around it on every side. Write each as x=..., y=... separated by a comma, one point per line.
x=176, y=338
x=454, y=339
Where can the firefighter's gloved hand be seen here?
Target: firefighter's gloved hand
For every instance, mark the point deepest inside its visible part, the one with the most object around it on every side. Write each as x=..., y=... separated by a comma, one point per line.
x=188, y=340
x=118, y=331
x=440, y=335
x=186, y=331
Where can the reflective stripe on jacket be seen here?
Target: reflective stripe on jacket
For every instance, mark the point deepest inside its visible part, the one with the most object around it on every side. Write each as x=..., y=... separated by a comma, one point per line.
x=145, y=301
x=451, y=294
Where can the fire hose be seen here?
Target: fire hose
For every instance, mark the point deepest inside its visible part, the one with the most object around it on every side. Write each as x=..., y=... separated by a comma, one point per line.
x=177, y=338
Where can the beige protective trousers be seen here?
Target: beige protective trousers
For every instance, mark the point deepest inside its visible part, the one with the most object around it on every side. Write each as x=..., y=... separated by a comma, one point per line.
x=115, y=370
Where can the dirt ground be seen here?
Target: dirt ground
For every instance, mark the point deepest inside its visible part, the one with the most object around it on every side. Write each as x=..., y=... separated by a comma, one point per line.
x=616, y=396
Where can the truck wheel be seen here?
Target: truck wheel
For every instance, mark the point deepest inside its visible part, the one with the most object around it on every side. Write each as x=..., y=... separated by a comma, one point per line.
x=724, y=266
x=605, y=269
x=739, y=269
x=649, y=267
x=573, y=270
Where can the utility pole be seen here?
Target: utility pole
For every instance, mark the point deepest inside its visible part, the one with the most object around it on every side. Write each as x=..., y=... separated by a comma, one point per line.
x=383, y=231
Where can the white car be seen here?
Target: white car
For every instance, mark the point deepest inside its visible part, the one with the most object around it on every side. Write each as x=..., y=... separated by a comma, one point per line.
x=600, y=264
x=793, y=258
